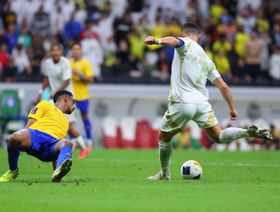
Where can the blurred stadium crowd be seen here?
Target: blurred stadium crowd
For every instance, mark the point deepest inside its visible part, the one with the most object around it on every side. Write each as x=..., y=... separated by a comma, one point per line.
x=241, y=36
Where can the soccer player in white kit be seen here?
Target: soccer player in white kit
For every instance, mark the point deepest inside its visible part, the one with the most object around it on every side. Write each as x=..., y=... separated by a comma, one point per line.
x=188, y=98
x=58, y=74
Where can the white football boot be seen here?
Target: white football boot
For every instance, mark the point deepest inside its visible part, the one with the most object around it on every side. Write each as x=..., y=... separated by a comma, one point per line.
x=160, y=176
x=254, y=131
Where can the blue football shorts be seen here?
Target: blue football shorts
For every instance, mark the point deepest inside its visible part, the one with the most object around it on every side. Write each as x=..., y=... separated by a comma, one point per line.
x=83, y=105
x=42, y=146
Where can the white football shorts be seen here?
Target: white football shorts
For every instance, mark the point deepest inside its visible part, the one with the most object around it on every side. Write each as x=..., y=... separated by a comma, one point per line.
x=178, y=114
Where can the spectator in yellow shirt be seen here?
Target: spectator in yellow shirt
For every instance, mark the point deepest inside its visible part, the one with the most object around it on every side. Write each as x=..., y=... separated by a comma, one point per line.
x=223, y=65
x=174, y=28
x=137, y=47
x=158, y=30
x=216, y=10
x=240, y=41
x=222, y=45
x=262, y=23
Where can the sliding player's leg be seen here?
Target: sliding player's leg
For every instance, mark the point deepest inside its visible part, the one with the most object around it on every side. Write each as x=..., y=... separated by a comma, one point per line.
x=64, y=162
x=47, y=148
x=54, y=163
x=17, y=141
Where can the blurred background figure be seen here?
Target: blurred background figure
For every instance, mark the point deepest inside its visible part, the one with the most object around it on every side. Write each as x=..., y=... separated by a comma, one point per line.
x=82, y=76
x=274, y=65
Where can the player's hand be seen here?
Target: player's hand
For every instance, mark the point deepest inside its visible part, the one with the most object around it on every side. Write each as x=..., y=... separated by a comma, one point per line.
x=233, y=114
x=149, y=40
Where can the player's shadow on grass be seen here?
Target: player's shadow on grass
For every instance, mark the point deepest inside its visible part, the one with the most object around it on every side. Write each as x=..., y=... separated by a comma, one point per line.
x=45, y=181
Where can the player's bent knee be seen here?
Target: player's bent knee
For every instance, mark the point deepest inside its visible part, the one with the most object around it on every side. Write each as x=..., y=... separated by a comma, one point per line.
x=15, y=138
x=65, y=142
x=217, y=140
x=215, y=137
x=166, y=136
x=214, y=132
x=20, y=138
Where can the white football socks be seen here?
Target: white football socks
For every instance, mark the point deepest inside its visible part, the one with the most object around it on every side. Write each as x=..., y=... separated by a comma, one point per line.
x=232, y=133
x=165, y=152
x=81, y=141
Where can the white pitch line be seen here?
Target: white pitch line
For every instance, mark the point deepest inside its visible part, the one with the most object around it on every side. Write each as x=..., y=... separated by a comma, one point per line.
x=242, y=164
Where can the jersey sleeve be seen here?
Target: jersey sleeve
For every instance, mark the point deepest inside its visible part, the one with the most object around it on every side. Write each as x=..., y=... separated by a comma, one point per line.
x=38, y=111
x=88, y=70
x=212, y=72
x=67, y=73
x=181, y=48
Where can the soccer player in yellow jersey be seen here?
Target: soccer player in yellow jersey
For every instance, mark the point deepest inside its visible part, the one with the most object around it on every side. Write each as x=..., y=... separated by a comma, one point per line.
x=82, y=76
x=44, y=137
x=58, y=75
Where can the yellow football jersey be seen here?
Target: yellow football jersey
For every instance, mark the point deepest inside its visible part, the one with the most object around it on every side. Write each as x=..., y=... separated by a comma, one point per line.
x=49, y=119
x=81, y=91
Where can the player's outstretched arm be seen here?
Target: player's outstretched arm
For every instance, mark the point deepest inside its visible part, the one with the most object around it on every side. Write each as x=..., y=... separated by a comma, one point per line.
x=168, y=41
x=30, y=121
x=45, y=84
x=225, y=91
x=63, y=85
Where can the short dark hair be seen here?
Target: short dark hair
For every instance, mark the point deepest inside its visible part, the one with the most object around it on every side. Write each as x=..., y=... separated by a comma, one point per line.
x=76, y=44
x=61, y=93
x=59, y=45
x=191, y=28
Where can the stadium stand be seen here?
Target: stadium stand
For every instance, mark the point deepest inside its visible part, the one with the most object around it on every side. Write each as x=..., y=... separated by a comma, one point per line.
x=112, y=32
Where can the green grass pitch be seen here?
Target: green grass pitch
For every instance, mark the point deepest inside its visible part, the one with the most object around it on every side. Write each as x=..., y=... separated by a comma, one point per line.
x=115, y=180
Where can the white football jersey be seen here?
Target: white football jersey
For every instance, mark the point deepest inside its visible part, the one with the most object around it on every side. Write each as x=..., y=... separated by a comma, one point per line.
x=57, y=73
x=191, y=68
